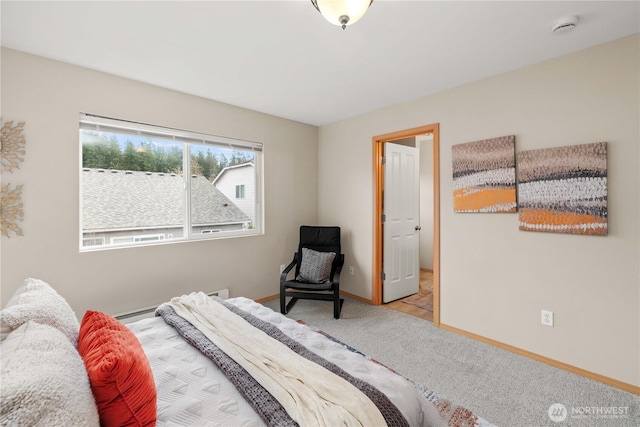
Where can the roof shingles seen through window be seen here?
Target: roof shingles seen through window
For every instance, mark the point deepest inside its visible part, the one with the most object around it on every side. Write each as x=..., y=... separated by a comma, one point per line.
x=123, y=200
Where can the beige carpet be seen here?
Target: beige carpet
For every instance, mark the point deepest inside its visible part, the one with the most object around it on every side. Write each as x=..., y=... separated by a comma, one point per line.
x=504, y=388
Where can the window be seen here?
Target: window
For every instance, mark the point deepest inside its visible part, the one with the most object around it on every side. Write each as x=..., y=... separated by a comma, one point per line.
x=144, y=184
x=240, y=191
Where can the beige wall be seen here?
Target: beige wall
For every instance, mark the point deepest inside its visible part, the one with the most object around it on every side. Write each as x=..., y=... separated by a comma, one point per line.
x=48, y=96
x=495, y=279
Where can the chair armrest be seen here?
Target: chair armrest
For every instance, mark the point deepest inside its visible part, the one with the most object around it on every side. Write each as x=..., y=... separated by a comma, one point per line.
x=287, y=269
x=336, y=275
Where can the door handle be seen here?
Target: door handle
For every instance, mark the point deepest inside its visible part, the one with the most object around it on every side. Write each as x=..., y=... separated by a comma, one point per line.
x=418, y=228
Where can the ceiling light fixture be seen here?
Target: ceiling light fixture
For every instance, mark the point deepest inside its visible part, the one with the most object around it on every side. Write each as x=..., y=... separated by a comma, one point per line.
x=342, y=12
x=565, y=24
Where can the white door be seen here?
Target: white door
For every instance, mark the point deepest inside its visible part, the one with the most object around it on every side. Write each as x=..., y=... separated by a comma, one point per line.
x=401, y=227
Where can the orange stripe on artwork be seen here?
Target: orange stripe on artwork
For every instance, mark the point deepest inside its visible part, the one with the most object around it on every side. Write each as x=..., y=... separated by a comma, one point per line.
x=540, y=217
x=484, y=199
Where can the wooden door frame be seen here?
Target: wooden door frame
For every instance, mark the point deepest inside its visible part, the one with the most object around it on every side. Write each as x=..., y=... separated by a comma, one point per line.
x=378, y=186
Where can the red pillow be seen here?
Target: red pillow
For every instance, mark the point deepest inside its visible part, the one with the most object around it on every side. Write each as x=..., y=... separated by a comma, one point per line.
x=119, y=372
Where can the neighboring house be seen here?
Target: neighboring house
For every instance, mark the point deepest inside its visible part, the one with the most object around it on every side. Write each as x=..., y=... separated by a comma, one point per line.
x=238, y=184
x=111, y=215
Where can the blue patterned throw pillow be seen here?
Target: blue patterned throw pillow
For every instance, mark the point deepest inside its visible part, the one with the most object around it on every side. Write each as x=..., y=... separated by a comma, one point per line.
x=315, y=266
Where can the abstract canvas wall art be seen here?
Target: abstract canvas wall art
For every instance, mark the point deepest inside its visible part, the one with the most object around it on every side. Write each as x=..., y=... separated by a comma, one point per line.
x=564, y=189
x=484, y=176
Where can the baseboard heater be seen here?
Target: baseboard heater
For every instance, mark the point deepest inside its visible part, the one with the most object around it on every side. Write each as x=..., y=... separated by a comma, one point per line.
x=143, y=313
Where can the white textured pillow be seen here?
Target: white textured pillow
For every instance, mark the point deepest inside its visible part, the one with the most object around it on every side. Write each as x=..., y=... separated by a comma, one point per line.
x=36, y=300
x=5, y=329
x=315, y=266
x=44, y=381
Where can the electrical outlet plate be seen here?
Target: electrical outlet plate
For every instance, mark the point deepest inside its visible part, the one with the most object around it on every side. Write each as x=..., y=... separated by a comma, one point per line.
x=546, y=317
x=352, y=270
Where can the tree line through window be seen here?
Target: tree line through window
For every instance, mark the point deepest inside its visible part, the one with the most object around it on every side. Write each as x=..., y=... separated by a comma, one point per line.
x=107, y=150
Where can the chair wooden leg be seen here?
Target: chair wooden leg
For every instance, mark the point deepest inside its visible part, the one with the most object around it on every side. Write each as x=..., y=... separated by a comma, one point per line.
x=292, y=301
x=283, y=306
x=337, y=307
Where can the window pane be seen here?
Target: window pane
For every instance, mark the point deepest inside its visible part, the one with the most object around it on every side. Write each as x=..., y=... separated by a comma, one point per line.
x=240, y=191
x=132, y=187
x=215, y=173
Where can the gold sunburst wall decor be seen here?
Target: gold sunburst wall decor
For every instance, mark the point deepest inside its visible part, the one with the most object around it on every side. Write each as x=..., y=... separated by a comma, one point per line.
x=11, y=209
x=12, y=151
x=12, y=146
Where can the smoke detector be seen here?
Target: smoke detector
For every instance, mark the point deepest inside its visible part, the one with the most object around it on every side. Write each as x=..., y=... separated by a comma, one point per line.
x=565, y=24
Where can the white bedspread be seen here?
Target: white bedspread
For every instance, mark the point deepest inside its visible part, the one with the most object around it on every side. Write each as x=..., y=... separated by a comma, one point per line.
x=192, y=391
x=310, y=394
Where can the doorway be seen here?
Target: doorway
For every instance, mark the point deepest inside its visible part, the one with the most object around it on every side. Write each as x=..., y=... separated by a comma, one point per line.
x=378, y=261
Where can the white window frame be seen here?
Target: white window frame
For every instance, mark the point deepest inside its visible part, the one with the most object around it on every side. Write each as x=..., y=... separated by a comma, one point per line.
x=187, y=138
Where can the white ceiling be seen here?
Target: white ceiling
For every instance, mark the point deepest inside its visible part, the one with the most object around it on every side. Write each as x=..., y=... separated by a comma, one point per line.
x=283, y=58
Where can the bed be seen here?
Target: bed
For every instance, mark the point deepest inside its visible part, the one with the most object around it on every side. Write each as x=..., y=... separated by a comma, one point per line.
x=201, y=361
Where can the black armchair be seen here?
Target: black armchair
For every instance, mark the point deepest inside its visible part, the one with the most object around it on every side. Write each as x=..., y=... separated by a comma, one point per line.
x=318, y=264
